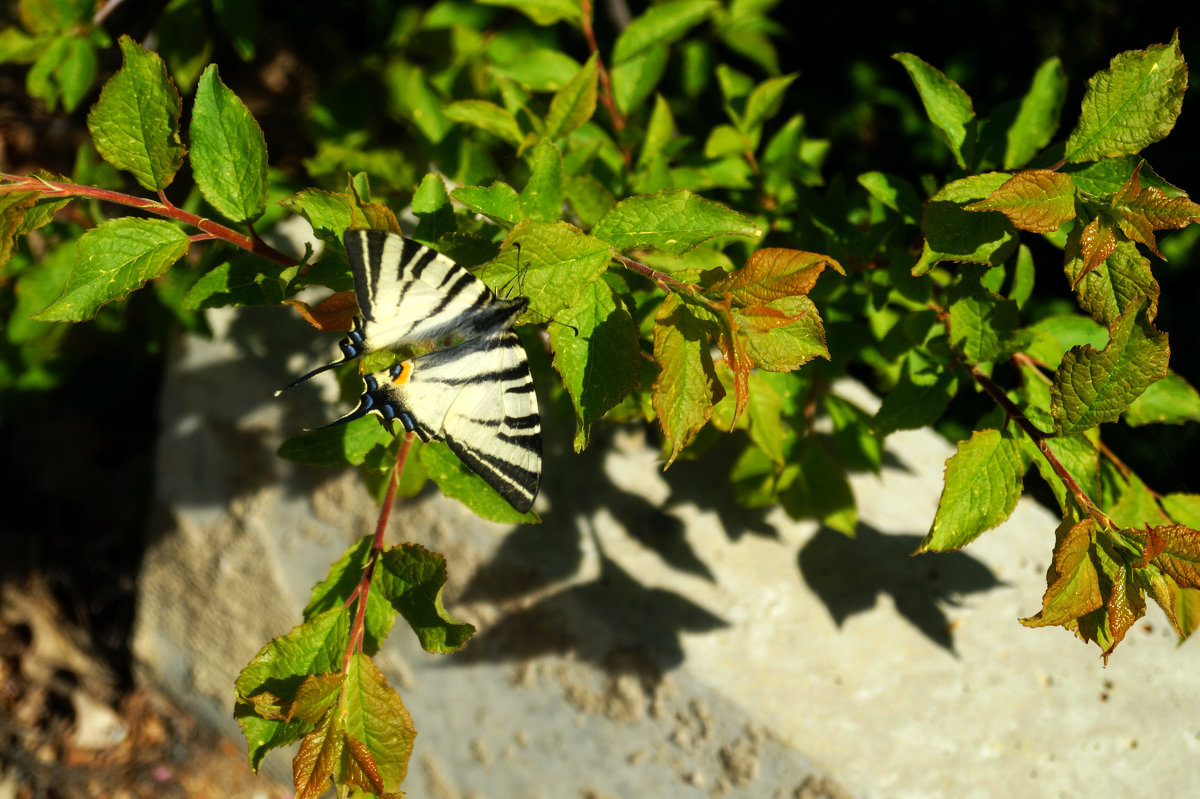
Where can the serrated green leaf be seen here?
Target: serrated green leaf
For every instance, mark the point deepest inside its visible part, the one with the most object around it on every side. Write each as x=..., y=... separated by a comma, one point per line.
x=1171, y=400
x=543, y=12
x=983, y=484
x=983, y=325
x=459, y=482
x=671, y=221
x=15, y=207
x=185, y=42
x=635, y=79
x=1130, y=105
x=946, y=104
x=554, y=263
x=340, y=445
x=763, y=104
x=542, y=197
x=64, y=69
x=772, y=273
x=1127, y=501
x=596, y=351
x=378, y=729
x=135, y=123
x=1037, y=200
x=411, y=579
x=486, y=116
x=1105, y=291
x=338, y=587
x=229, y=153
x=574, y=103
x=315, y=647
x=115, y=258
x=500, y=201
x=953, y=233
x=915, y=401
x=1037, y=119
x=686, y=387
x=1092, y=387
x=432, y=204
x=659, y=131
x=660, y=24
x=412, y=96
x=239, y=282
x=1108, y=176
x=332, y=213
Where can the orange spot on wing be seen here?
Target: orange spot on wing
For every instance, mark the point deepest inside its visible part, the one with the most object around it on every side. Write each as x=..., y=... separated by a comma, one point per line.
x=405, y=373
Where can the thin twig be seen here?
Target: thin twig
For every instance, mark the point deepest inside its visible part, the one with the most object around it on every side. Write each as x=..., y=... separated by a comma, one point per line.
x=161, y=207
x=606, y=92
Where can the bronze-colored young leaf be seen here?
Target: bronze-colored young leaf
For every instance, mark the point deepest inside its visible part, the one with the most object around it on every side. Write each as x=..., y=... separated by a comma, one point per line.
x=1141, y=211
x=1097, y=241
x=1072, y=581
x=1037, y=200
x=1180, y=556
x=775, y=272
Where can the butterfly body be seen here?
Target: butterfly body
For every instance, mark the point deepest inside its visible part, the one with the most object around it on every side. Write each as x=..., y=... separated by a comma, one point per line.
x=477, y=395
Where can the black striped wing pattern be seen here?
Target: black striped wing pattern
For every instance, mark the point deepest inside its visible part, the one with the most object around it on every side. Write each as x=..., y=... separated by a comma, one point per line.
x=476, y=396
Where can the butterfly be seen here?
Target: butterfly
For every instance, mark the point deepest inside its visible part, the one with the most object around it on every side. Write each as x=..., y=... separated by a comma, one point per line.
x=478, y=395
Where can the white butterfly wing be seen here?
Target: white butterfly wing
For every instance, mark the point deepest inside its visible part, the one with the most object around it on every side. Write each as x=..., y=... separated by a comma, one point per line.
x=478, y=397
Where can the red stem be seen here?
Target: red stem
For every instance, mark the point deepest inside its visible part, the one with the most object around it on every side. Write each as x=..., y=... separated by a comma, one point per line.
x=162, y=207
x=364, y=585
x=606, y=94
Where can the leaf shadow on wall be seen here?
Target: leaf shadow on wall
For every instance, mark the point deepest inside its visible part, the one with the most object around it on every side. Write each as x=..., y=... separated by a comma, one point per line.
x=849, y=574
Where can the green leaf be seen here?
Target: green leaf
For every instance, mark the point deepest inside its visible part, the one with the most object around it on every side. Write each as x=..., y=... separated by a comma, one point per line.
x=486, y=116
x=671, y=221
x=540, y=69
x=412, y=96
x=554, y=263
x=895, y=192
x=983, y=484
x=661, y=24
x=542, y=197
x=1080, y=457
x=1130, y=105
x=1037, y=119
x=339, y=586
x=1072, y=582
x=1022, y=283
x=1171, y=400
x=543, y=12
x=65, y=69
x=983, y=325
x=331, y=214
x=15, y=207
x=857, y=446
x=239, y=19
x=946, y=104
x=1054, y=335
x=229, y=153
x=239, y=282
x=634, y=80
x=18, y=47
x=432, y=204
x=412, y=579
x=500, y=201
x=53, y=16
x=315, y=647
x=1183, y=508
x=1105, y=291
x=596, y=351
x=341, y=445
x=574, y=103
x=783, y=334
x=1109, y=176
x=763, y=104
x=1037, y=200
x=589, y=199
x=1127, y=501
x=378, y=728
x=135, y=123
x=659, y=131
x=773, y=273
x=915, y=401
x=953, y=233
x=686, y=387
x=459, y=482
x=1092, y=387
x=185, y=41
x=113, y=259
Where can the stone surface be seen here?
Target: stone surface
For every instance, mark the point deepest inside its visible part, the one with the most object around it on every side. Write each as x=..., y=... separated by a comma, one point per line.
x=650, y=638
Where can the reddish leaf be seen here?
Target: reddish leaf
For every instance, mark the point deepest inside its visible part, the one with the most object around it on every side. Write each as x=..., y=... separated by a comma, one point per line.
x=1098, y=241
x=315, y=760
x=1126, y=604
x=774, y=272
x=1143, y=211
x=1180, y=556
x=1037, y=200
x=335, y=312
x=1072, y=582
x=686, y=388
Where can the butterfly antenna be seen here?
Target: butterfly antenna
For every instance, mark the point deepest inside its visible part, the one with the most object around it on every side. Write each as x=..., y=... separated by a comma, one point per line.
x=365, y=406
x=313, y=373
